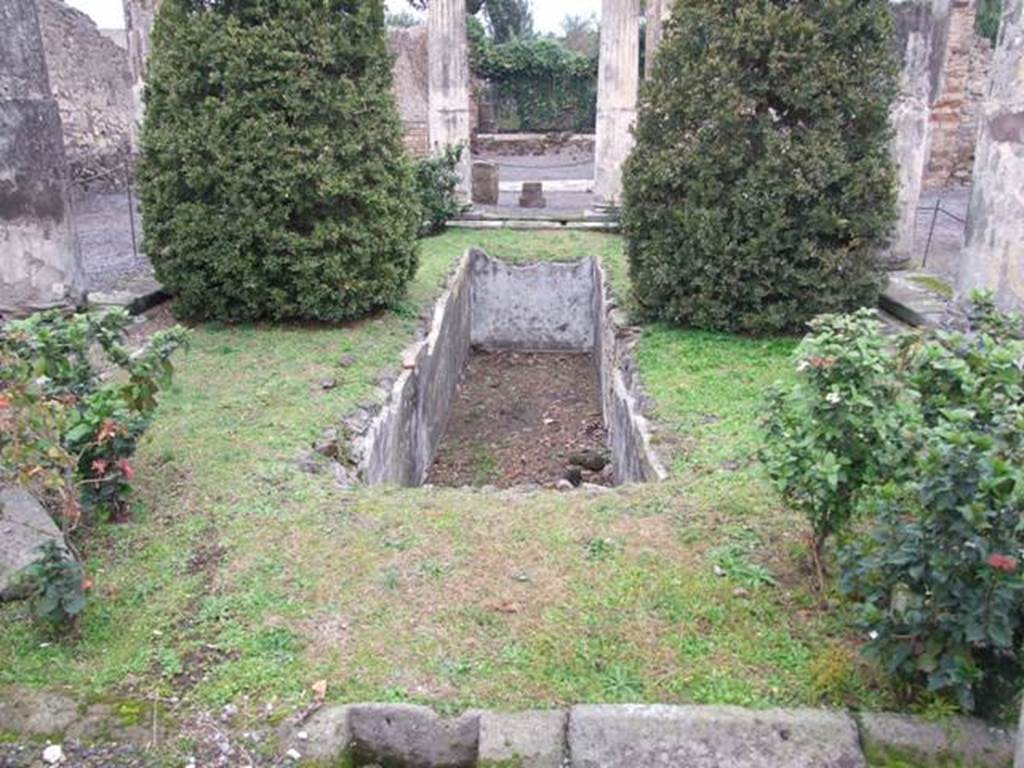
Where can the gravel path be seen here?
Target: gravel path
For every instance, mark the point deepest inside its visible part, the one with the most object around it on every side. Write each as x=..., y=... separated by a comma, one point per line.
x=109, y=258
x=75, y=756
x=105, y=237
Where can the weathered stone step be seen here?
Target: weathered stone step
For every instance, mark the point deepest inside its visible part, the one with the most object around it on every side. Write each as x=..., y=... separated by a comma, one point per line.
x=644, y=736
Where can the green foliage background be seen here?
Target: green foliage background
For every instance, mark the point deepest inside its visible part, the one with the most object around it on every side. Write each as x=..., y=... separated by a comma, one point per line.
x=538, y=84
x=761, y=186
x=988, y=18
x=273, y=180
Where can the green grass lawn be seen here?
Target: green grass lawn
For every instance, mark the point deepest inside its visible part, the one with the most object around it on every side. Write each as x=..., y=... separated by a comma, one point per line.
x=241, y=579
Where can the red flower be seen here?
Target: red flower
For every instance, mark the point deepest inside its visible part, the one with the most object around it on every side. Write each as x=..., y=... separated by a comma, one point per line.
x=126, y=469
x=99, y=466
x=1003, y=563
x=86, y=585
x=5, y=402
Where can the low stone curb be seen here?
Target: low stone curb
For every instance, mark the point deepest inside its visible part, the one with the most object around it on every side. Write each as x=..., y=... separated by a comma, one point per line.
x=892, y=737
x=536, y=223
x=628, y=736
x=912, y=303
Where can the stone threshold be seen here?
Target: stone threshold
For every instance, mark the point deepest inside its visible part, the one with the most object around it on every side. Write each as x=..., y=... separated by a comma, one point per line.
x=574, y=222
x=629, y=736
x=136, y=295
x=916, y=298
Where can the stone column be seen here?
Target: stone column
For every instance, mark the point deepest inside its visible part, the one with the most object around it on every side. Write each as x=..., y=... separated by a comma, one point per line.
x=657, y=15
x=449, y=100
x=139, y=16
x=921, y=30
x=39, y=260
x=994, y=254
x=618, y=81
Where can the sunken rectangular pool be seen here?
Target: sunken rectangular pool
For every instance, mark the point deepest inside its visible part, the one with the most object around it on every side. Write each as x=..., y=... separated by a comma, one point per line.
x=525, y=378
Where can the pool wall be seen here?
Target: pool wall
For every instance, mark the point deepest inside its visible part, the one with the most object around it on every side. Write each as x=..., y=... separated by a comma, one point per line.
x=544, y=306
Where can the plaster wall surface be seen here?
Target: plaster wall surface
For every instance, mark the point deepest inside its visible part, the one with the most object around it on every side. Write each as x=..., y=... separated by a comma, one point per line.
x=40, y=266
x=543, y=306
x=402, y=439
x=622, y=396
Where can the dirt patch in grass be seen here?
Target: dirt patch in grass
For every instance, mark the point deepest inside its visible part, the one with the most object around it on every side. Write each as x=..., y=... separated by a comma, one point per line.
x=524, y=418
x=159, y=318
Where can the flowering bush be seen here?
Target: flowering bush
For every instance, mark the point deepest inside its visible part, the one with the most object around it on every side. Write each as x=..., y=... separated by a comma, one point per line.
x=937, y=580
x=925, y=441
x=839, y=429
x=73, y=406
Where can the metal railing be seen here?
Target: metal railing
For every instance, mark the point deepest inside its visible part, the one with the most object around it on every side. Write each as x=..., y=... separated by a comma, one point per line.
x=936, y=210
x=120, y=174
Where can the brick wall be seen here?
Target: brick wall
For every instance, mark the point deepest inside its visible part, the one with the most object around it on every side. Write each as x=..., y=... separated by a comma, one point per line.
x=955, y=113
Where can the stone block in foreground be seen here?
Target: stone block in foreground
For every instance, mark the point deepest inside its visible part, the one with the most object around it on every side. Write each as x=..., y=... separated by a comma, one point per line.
x=523, y=739
x=956, y=741
x=711, y=737
x=24, y=527
x=412, y=736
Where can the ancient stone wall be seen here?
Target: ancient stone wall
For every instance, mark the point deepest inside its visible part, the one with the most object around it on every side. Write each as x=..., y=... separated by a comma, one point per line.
x=89, y=78
x=922, y=28
x=411, y=76
x=954, y=117
x=139, y=16
x=994, y=253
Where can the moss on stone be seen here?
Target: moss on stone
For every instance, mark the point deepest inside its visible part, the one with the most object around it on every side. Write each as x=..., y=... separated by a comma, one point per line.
x=889, y=757
x=129, y=713
x=934, y=284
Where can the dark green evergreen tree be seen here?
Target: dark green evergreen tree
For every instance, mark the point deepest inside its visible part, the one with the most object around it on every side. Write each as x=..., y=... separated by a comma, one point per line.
x=761, y=187
x=273, y=180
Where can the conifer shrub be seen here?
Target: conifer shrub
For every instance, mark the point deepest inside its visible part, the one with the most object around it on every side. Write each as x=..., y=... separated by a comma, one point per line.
x=761, y=185
x=273, y=180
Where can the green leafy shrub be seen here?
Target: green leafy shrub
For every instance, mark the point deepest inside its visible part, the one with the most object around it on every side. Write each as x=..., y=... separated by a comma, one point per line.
x=839, y=429
x=924, y=441
x=70, y=427
x=436, y=181
x=938, y=580
x=273, y=180
x=538, y=84
x=988, y=19
x=55, y=585
x=761, y=185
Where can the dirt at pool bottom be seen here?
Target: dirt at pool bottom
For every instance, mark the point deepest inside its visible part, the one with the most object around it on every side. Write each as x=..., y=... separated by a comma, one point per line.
x=524, y=418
